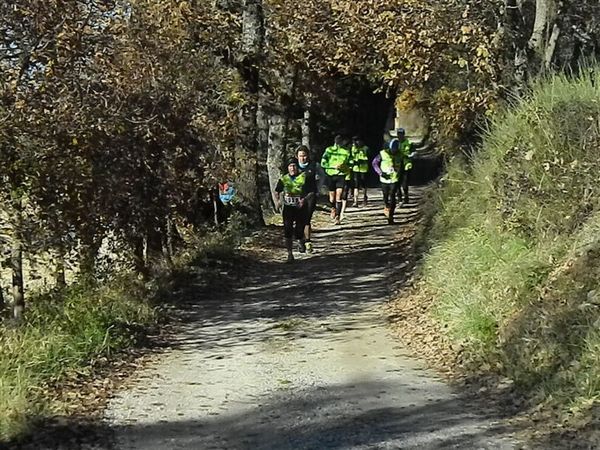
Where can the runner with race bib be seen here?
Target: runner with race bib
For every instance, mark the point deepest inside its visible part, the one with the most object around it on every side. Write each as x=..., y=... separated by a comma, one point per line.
x=292, y=192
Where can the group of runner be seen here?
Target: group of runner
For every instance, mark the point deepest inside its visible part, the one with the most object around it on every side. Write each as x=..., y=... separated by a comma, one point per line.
x=345, y=165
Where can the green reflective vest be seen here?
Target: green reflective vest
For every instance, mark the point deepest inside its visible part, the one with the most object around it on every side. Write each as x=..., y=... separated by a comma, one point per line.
x=336, y=161
x=293, y=186
x=390, y=165
x=360, y=157
x=405, y=149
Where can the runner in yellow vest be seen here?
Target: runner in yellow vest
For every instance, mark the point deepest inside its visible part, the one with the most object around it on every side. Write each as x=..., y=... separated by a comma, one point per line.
x=291, y=194
x=388, y=166
x=407, y=152
x=360, y=157
x=306, y=166
x=336, y=162
x=347, y=179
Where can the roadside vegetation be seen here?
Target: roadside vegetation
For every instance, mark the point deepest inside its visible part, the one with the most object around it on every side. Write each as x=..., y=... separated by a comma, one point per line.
x=514, y=256
x=88, y=324
x=65, y=332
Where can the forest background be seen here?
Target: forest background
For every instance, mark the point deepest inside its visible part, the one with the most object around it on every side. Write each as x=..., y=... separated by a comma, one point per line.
x=118, y=118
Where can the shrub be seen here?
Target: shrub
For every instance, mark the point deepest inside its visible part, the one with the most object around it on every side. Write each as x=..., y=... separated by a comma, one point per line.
x=514, y=259
x=63, y=333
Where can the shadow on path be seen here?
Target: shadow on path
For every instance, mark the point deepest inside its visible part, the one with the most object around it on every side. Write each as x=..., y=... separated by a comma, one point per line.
x=348, y=273
x=319, y=419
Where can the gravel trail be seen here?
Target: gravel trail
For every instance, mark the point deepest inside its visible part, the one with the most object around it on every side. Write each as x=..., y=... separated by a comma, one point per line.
x=300, y=357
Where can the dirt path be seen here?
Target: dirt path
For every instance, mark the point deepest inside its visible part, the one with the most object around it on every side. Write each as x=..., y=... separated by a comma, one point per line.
x=300, y=357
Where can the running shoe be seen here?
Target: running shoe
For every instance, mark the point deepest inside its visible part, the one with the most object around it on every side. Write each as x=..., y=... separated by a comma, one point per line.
x=301, y=247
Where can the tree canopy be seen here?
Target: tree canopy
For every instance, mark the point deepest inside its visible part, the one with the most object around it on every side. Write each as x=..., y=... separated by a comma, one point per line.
x=117, y=118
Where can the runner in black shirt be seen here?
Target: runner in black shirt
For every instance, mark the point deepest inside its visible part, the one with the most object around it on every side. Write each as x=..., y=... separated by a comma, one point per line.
x=310, y=170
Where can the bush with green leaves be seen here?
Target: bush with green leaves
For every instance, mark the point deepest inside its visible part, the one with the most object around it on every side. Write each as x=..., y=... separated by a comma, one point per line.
x=514, y=253
x=65, y=332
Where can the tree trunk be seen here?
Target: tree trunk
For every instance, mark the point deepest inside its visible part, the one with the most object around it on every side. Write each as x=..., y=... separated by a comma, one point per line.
x=214, y=197
x=543, y=15
x=2, y=298
x=88, y=253
x=514, y=40
x=289, y=99
x=139, y=249
x=16, y=263
x=18, y=289
x=2, y=301
x=521, y=70
x=544, y=35
x=551, y=47
x=262, y=153
x=169, y=241
x=248, y=64
x=59, y=274
x=279, y=127
x=276, y=151
x=145, y=249
x=306, y=127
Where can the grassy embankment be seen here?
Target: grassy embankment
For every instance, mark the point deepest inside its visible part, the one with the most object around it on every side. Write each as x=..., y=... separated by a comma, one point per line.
x=514, y=256
x=68, y=332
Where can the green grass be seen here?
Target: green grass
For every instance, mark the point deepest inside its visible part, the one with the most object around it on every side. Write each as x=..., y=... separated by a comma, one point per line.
x=514, y=251
x=480, y=277
x=69, y=331
x=63, y=333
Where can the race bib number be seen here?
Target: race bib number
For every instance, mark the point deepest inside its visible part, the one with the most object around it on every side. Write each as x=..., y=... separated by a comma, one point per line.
x=289, y=200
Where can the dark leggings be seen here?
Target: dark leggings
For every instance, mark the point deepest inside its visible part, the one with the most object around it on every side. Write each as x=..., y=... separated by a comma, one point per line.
x=294, y=219
x=346, y=189
x=403, y=188
x=310, y=204
x=360, y=180
x=389, y=194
